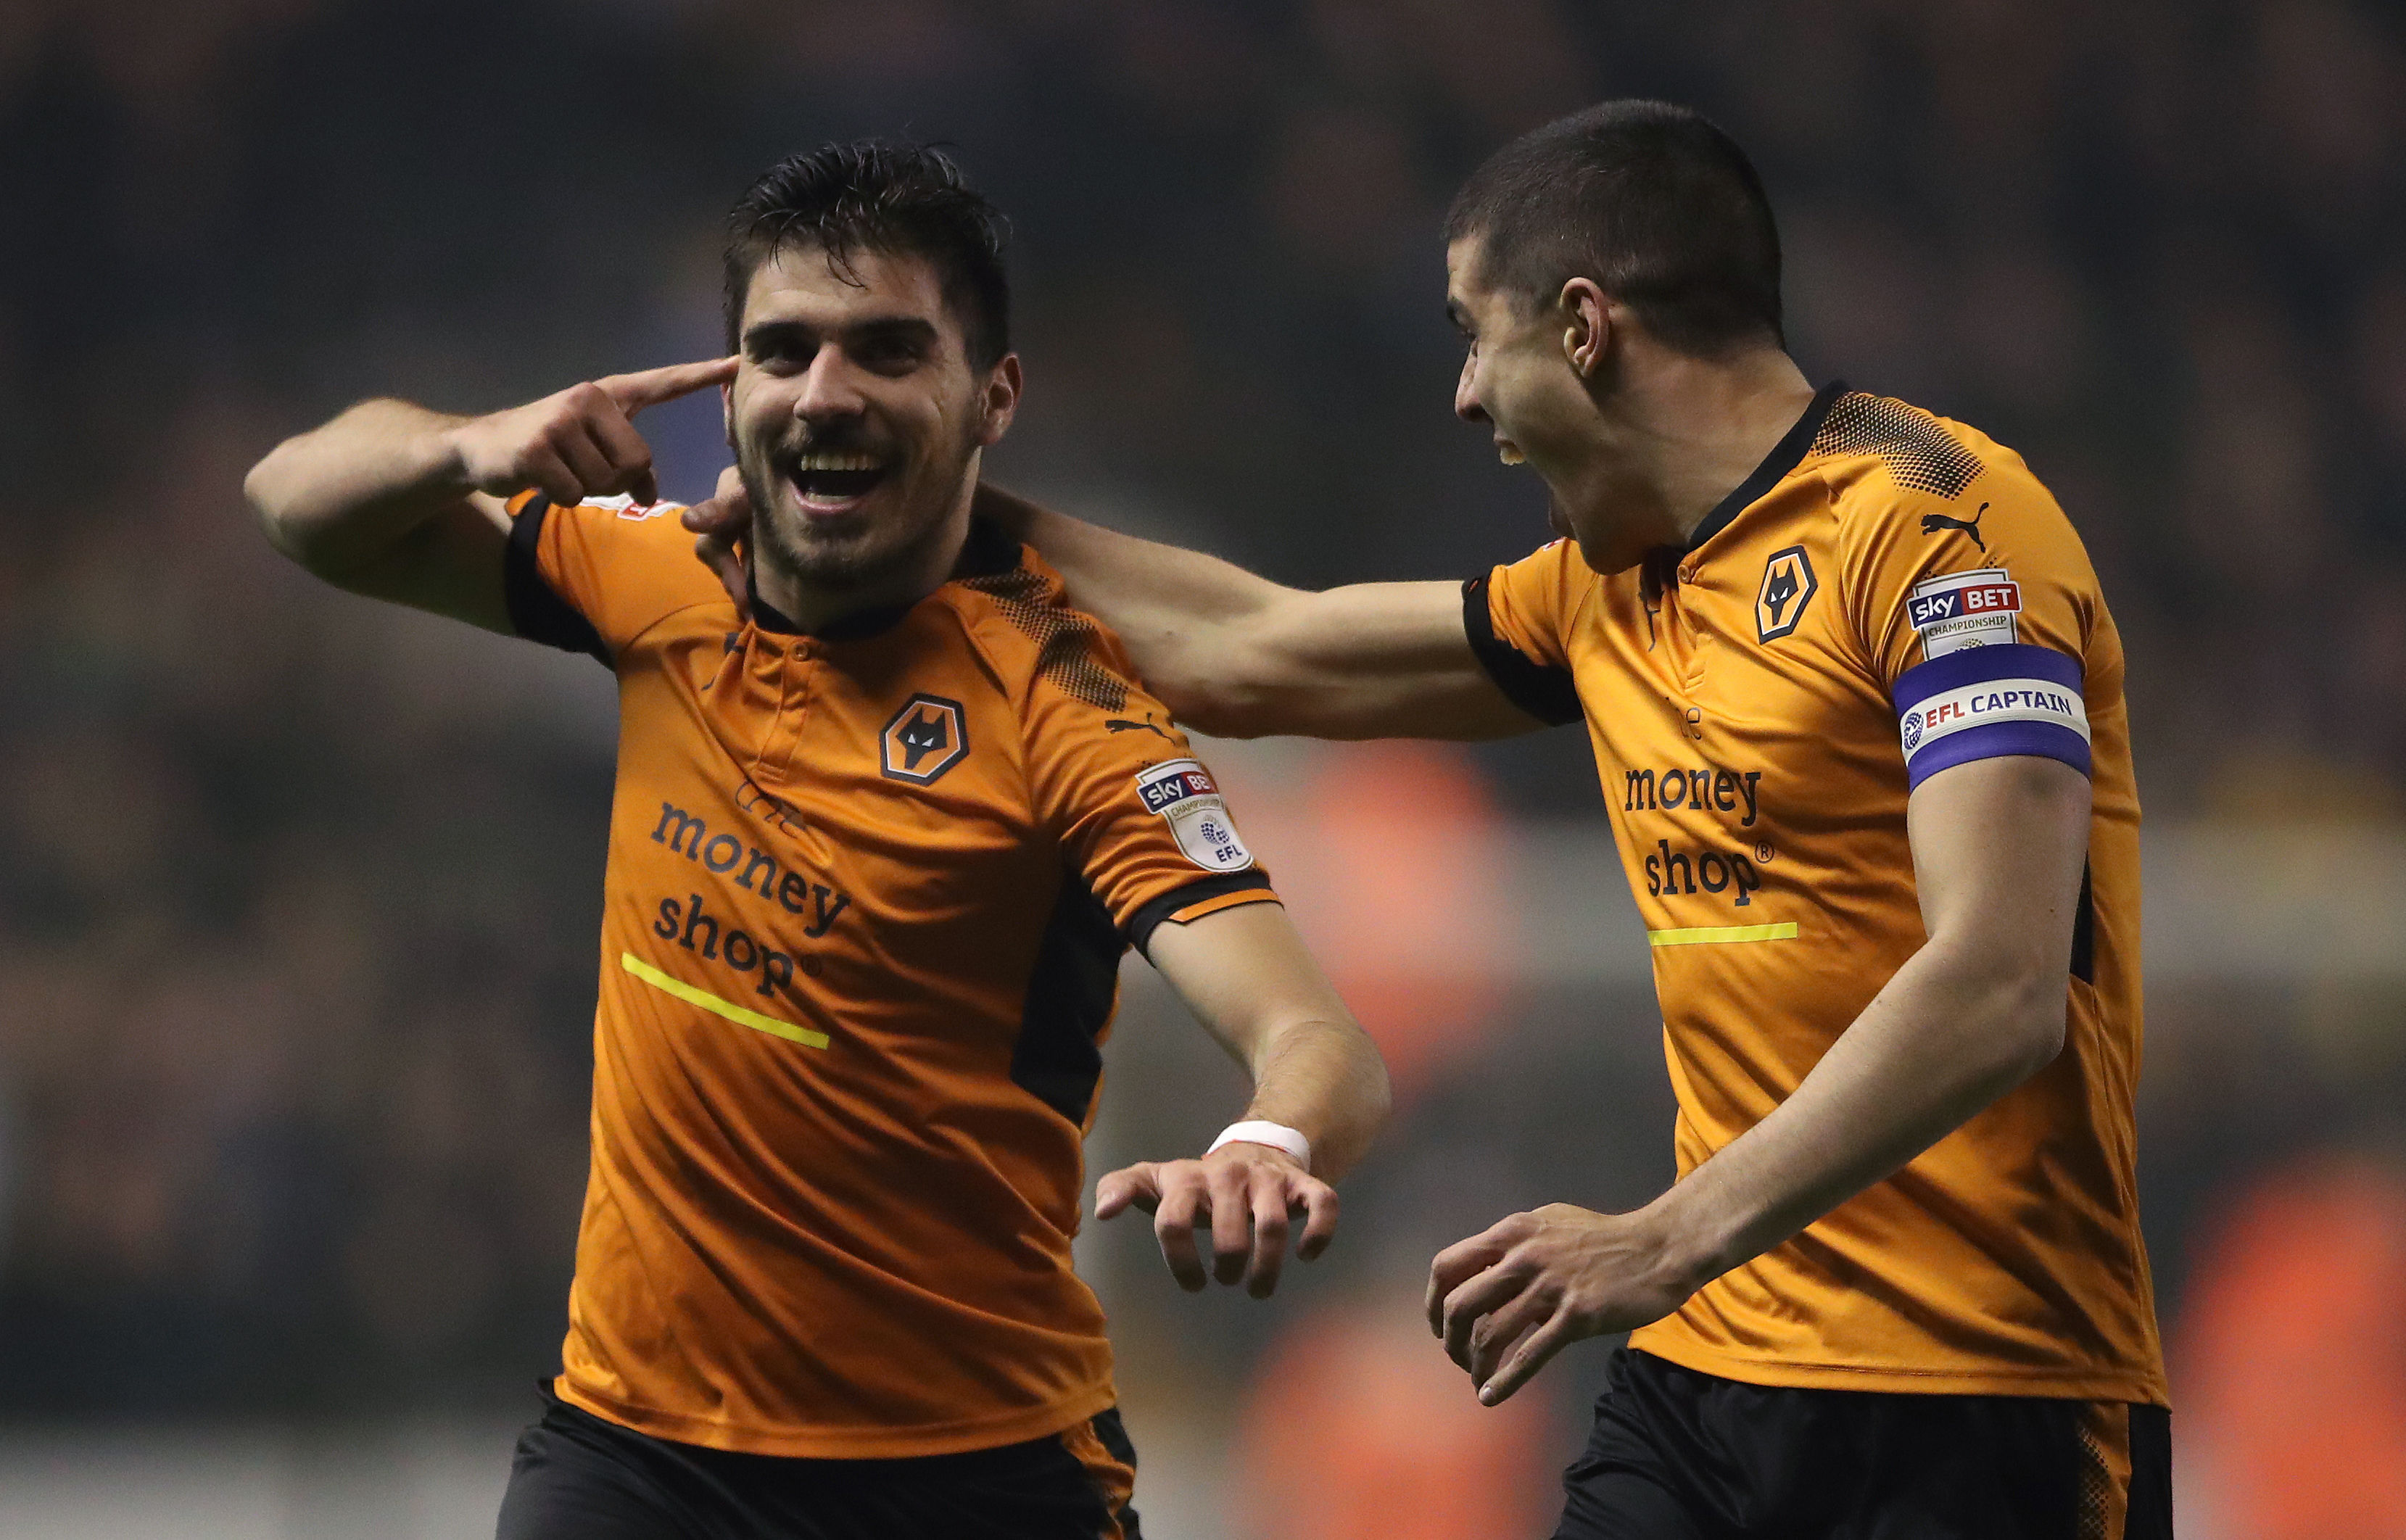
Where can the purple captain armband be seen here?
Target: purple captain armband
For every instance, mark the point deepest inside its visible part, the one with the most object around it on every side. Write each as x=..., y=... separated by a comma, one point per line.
x=1982, y=702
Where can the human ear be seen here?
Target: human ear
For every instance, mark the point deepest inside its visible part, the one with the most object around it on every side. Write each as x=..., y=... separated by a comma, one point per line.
x=726, y=411
x=1001, y=399
x=1587, y=325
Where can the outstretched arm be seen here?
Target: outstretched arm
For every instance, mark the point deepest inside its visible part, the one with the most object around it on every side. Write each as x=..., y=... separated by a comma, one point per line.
x=1241, y=656
x=1245, y=974
x=1231, y=654
x=1997, y=848
x=399, y=503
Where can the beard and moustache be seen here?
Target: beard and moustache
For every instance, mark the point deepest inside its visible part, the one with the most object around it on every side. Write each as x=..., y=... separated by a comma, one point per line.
x=867, y=550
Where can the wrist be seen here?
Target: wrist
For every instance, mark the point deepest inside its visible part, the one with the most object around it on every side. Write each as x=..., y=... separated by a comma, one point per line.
x=1691, y=1249
x=1276, y=1135
x=442, y=451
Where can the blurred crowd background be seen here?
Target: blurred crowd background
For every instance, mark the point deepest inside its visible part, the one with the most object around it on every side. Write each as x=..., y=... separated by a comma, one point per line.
x=298, y=895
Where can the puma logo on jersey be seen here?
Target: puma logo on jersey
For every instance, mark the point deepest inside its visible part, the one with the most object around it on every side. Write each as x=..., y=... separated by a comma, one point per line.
x=928, y=736
x=1788, y=587
x=1121, y=723
x=1932, y=523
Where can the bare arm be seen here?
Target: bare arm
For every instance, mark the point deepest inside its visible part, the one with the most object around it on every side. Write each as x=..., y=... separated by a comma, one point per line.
x=399, y=503
x=1245, y=974
x=1997, y=845
x=1241, y=656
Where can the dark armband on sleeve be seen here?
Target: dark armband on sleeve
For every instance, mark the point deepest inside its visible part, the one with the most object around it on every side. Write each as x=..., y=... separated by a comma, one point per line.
x=1542, y=690
x=1251, y=886
x=1986, y=702
x=536, y=610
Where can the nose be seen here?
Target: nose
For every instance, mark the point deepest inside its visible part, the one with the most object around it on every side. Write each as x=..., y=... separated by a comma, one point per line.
x=830, y=390
x=1465, y=392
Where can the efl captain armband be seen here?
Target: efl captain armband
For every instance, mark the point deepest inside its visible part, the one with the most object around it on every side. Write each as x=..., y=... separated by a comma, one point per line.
x=1277, y=1136
x=1984, y=702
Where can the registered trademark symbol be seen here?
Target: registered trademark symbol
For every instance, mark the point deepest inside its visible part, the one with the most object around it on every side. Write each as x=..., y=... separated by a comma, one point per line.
x=1762, y=854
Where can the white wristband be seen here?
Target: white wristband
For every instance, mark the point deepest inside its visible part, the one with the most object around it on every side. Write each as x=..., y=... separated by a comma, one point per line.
x=1277, y=1136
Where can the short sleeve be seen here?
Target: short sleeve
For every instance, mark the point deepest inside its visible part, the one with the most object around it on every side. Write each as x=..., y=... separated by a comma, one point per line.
x=1516, y=617
x=1975, y=614
x=1140, y=818
x=593, y=577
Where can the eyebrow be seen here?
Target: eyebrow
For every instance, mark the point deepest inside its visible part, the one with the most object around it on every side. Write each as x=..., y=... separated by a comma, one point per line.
x=907, y=328
x=911, y=328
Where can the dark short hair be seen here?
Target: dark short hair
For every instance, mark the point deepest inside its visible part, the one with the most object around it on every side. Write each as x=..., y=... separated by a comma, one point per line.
x=896, y=199
x=1649, y=200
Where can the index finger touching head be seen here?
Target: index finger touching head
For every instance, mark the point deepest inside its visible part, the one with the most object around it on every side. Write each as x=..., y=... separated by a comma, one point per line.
x=651, y=387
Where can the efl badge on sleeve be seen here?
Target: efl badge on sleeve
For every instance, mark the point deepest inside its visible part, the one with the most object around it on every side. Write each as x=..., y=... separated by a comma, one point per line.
x=927, y=737
x=1788, y=585
x=1183, y=792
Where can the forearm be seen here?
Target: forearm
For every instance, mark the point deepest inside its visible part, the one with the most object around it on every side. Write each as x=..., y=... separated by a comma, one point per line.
x=1325, y=1079
x=1123, y=580
x=1941, y=1042
x=1183, y=616
x=340, y=497
x=1237, y=656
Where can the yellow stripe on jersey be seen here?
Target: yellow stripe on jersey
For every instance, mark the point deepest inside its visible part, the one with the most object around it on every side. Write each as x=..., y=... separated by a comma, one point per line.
x=729, y=1008
x=1692, y=935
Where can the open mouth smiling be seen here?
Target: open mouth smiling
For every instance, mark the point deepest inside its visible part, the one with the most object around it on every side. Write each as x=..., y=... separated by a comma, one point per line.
x=834, y=480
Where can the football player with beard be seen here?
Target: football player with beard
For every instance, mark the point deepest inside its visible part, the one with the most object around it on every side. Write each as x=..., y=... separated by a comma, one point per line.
x=881, y=834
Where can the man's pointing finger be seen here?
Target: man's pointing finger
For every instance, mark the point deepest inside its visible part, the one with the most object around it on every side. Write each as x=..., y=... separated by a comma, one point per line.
x=651, y=387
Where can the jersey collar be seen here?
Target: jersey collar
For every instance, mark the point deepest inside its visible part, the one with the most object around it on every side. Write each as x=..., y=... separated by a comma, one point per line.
x=988, y=552
x=1784, y=456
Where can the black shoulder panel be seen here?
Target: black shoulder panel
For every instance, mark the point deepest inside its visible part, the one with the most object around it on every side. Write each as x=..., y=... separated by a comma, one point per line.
x=1542, y=690
x=538, y=613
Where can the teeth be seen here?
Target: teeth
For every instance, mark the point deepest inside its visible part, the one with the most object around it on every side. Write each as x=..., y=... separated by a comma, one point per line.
x=826, y=461
x=1510, y=455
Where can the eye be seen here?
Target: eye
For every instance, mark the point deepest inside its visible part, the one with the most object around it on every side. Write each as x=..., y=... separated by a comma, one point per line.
x=781, y=355
x=890, y=355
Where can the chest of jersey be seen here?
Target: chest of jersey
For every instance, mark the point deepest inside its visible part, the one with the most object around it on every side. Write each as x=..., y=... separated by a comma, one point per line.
x=1746, y=750
x=824, y=824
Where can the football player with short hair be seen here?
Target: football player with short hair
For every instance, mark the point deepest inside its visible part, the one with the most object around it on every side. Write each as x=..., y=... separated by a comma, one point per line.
x=877, y=845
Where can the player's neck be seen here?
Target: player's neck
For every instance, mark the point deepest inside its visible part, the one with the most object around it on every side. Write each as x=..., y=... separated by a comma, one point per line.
x=1679, y=435
x=814, y=607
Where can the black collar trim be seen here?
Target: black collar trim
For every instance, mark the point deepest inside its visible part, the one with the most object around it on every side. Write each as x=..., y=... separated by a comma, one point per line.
x=1784, y=456
x=988, y=552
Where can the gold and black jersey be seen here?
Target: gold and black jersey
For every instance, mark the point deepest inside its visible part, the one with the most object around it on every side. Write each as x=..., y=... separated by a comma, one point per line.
x=1888, y=595
x=867, y=895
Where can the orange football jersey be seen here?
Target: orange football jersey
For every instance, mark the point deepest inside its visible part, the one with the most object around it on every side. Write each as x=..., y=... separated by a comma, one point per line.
x=1888, y=595
x=867, y=895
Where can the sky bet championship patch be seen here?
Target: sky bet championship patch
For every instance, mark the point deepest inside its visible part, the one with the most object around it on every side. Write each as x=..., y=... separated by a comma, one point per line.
x=1183, y=792
x=1965, y=609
